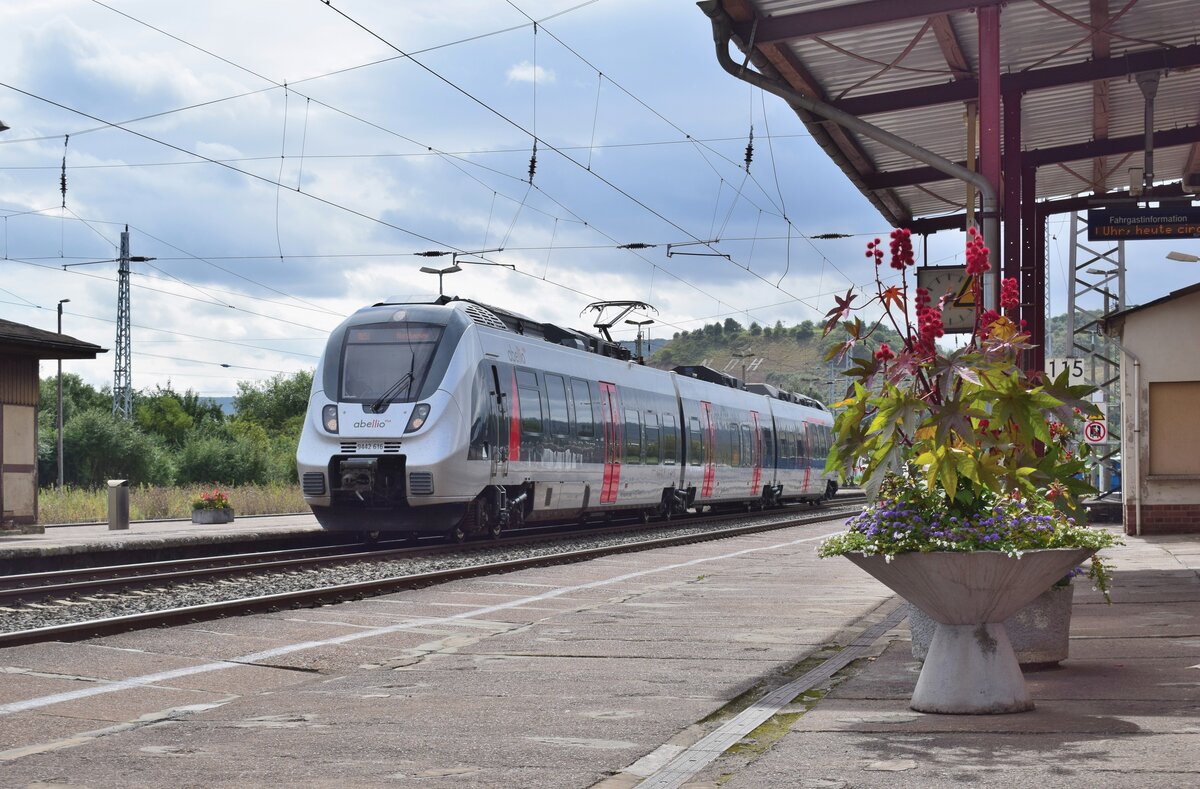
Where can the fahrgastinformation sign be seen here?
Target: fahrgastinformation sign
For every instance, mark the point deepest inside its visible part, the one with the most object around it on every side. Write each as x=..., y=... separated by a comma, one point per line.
x=1143, y=224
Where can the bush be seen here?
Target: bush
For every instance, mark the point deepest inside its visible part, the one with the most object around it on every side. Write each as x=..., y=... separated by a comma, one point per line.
x=98, y=446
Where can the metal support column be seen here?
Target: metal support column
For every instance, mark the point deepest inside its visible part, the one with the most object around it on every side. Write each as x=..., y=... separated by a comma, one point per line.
x=122, y=364
x=1033, y=271
x=1097, y=290
x=989, y=121
x=1013, y=193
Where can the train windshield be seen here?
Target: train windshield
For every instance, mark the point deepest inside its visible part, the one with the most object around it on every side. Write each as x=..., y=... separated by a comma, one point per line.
x=387, y=363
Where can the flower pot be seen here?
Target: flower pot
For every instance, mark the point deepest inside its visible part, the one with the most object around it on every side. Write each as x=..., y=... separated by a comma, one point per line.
x=1039, y=632
x=971, y=667
x=224, y=515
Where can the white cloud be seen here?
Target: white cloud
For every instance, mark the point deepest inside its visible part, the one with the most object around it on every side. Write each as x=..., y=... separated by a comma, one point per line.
x=527, y=72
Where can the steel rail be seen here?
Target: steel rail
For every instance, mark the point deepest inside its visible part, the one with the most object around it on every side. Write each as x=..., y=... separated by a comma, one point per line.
x=32, y=587
x=358, y=590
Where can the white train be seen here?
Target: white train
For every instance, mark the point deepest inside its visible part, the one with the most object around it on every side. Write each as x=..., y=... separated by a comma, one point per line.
x=458, y=418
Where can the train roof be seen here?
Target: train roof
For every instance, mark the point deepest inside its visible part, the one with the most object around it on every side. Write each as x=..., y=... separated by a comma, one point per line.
x=507, y=320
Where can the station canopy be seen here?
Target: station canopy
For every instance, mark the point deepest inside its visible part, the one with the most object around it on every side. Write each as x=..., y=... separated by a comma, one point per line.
x=912, y=67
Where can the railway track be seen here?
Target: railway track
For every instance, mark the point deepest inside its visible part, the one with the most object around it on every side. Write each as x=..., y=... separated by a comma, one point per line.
x=164, y=593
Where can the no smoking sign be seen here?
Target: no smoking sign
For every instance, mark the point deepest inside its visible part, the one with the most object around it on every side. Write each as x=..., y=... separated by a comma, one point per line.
x=1095, y=431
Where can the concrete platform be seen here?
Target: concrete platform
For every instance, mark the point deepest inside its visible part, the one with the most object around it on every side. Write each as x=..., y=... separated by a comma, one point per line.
x=599, y=674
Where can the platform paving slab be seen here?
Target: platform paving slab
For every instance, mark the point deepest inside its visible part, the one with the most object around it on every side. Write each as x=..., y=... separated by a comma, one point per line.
x=526, y=703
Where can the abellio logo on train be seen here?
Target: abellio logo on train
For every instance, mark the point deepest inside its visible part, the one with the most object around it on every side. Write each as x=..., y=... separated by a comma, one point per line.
x=372, y=423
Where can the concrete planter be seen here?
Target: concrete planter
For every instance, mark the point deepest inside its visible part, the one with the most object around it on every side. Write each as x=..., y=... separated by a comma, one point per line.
x=971, y=667
x=213, y=516
x=1040, y=633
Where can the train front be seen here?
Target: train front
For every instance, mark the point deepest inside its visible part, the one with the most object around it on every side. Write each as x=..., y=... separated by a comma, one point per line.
x=384, y=439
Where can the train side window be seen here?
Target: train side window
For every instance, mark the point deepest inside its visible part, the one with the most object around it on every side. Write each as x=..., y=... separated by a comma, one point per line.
x=529, y=400
x=585, y=408
x=695, y=442
x=652, y=445
x=633, y=436
x=733, y=454
x=670, y=442
x=747, y=447
x=556, y=396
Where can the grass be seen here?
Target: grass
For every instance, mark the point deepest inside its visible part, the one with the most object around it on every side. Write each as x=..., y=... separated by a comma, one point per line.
x=80, y=505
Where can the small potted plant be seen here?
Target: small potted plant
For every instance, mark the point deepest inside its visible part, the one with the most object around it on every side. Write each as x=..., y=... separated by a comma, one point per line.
x=212, y=507
x=973, y=479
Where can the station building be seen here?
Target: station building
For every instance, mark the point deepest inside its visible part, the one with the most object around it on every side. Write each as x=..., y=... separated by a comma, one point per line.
x=1160, y=431
x=21, y=348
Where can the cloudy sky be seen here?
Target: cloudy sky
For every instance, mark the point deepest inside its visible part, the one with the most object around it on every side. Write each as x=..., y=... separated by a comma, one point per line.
x=284, y=162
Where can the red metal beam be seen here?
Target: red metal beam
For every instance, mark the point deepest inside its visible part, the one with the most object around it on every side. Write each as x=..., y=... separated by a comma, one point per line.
x=870, y=13
x=1115, y=146
x=1024, y=81
x=1101, y=48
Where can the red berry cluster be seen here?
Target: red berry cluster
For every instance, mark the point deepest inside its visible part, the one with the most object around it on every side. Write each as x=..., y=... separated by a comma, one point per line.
x=977, y=253
x=929, y=325
x=901, y=249
x=884, y=354
x=985, y=322
x=1010, y=296
x=874, y=251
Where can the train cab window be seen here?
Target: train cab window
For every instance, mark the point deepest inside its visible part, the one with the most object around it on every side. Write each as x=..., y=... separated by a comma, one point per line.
x=747, y=447
x=585, y=408
x=633, y=436
x=695, y=442
x=652, y=445
x=670, y=440
x=529, y=400
x=556, y=397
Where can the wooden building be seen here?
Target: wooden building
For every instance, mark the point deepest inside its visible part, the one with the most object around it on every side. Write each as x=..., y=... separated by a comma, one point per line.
x=21, y=348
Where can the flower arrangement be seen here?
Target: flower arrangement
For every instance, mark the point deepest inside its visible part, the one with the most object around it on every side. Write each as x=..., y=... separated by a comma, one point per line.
x=213, y=500
x=959, y=450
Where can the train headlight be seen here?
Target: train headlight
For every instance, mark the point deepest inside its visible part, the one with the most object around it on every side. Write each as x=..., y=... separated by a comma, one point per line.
x=417, y=420
x=329, y=418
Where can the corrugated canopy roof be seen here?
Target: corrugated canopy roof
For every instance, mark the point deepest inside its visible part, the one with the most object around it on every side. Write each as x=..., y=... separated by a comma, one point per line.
x=912, y=66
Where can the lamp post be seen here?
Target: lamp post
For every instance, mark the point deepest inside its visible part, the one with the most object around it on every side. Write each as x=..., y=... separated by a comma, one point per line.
x=639, y=325
x=441, y=272
x=743, y=355
x=59, y=420
x=1183, y=257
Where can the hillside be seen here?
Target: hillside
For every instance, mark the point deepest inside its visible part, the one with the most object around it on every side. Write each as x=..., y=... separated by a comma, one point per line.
x=790, y=357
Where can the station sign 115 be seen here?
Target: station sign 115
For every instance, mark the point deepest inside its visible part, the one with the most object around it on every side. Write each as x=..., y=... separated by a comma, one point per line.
x=1055, y=366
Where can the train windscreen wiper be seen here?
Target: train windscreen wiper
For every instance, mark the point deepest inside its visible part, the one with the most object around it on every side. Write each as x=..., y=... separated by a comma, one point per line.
x=404, y=380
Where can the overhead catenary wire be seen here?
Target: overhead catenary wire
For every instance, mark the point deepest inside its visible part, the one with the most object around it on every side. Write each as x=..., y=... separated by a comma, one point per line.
x=560, y=246
x=277, y=183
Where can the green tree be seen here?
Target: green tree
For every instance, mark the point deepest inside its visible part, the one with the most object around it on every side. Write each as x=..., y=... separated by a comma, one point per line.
x=163, y=414
x=732, y=327
x=78, y=396
x=275, y=401
x=235, y=453
x=755, y=329
x=98, y=446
